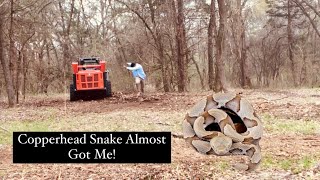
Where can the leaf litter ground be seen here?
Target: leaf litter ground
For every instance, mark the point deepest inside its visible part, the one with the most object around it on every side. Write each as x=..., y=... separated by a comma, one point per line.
x=290, y=145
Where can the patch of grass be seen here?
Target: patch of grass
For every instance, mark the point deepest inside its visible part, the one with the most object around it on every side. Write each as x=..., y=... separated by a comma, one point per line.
x=296, y=165
x=112, y=121
x=26, y=119
x=286, y=164
x=13, y=126
x=288, y=126
x=268, y=162
x=223, y=165
x=220, y=164
x=2, y=174
x=308, y=162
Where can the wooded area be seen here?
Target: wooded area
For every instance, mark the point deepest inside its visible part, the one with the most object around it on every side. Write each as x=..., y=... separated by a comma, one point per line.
x=184, y=45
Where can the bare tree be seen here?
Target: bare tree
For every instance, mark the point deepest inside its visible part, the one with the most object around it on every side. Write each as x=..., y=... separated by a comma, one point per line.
x=304, y=11
x=180, y=45
x=176, y=41
x=290, y=43
x=156, y=35
x=238, y=29
x=211, y=36
x=287, y=11
x=66, y=21
x=5, y=62
x=220, y=80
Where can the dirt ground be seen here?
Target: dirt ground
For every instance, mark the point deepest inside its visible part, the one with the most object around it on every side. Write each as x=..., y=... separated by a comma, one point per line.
x=287, y=154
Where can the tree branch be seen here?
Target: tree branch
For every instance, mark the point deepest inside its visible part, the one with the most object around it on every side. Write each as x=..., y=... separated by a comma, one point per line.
x=307, y=15
x=313, y=8
x=2, y=3
x=140, y=17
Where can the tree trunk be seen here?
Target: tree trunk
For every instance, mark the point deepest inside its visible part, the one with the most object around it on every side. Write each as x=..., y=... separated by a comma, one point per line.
x=180, y=46
x=290, y=46
x=12, y=57
x=18, y=75
x=66, y=28
x=199, y=73
x=165, y=82
x=241, y=48
x=245, y=79
x=211, y=33
x=6, y=69
x=24, y=74
x=220, y=80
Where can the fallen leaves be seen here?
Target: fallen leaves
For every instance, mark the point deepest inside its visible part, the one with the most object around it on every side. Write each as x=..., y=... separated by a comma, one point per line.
x=160, y=111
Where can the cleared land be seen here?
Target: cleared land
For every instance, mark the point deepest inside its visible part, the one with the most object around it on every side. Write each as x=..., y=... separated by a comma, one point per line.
x=290, y=145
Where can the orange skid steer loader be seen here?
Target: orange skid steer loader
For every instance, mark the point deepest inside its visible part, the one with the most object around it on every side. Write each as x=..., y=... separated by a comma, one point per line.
x=90, y=80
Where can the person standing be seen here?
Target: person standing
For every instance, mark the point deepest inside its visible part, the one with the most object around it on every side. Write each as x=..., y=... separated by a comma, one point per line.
x=139, y=76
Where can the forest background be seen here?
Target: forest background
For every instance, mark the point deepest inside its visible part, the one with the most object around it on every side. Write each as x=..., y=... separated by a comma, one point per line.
x=183, y=45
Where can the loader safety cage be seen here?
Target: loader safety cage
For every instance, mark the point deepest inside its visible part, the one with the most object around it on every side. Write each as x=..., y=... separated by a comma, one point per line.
x=90, y=79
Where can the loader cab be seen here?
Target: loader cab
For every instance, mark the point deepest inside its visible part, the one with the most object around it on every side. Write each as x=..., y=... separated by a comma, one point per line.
x=90, y=79
x=89, y=61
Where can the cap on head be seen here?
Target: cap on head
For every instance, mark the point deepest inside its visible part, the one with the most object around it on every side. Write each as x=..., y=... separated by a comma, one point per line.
x=131, y=64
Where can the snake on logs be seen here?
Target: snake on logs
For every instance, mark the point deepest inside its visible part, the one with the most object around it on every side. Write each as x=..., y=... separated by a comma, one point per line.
x=225, y=124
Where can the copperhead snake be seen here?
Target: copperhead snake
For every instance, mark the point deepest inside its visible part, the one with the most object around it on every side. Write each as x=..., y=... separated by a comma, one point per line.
x=225, y=124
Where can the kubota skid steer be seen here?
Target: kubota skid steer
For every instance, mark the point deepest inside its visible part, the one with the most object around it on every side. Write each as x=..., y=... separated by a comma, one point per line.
x=90, y=80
